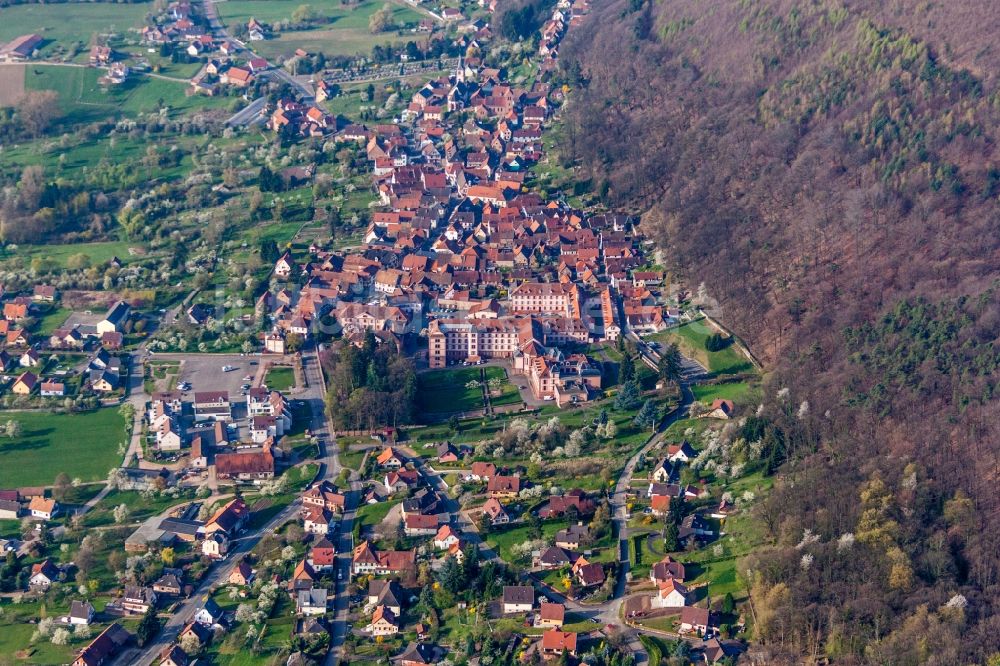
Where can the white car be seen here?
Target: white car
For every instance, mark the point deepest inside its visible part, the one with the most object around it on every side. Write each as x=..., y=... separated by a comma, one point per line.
x=228, y=368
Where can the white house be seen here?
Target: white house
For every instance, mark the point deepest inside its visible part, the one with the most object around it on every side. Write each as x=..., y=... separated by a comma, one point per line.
x=445, y=538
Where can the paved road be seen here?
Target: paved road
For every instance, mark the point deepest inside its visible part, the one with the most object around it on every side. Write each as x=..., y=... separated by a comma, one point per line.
x=221, y=32
x=312, y=394
x=248, y=115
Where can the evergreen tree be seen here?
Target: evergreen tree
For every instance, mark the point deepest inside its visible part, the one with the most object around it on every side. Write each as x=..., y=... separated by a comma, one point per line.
x=626, y=371
x=670, y=364
x=148, y=627
x=628, y=397
x=647, y=416
x=671, y=538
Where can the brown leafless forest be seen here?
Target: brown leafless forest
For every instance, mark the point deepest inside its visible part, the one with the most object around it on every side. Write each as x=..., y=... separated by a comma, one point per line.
x=830, y=171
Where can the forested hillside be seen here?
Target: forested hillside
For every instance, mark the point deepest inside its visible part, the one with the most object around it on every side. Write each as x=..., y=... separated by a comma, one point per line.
x=830, y=171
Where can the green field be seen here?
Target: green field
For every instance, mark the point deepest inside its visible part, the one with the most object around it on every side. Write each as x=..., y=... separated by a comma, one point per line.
x=735, y=391
x=340, y=30
x=69, y=25
x=445, y=391
x=85, y=100
x=691, y=337
x=280, y=378
x=503, y=541
x=83, y=446
x=509, y=395
x=99, y=253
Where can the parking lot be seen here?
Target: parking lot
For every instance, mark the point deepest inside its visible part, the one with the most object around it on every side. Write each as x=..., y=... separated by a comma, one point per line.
x=204, y=371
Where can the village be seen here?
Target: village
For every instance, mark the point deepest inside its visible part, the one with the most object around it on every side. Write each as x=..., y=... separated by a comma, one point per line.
x=261, y=510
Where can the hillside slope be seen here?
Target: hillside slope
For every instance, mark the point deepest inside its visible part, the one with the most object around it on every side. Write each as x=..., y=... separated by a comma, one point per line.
x=830, y=171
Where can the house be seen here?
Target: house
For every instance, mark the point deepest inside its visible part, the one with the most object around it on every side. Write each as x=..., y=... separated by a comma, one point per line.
x=20, y=48
x=43, y=574
x=575, y=501
x=212, y=406
x=682, y=452
x=385, y=593
x=81, y=613
x=242, y=574
x=696, y=620
x=367, y=560
x=416, y=524
x=384, y=622
x=482, y=471
x=551, y=615
x=420, y=654
x=246, y=465
x=666, y=569
x=208, y=613
x=43, y=508
x=554, y=557
x=237, y=76
x=53, y=389
x=721, y=409
x=497, y=514
x=107, y=644
x=115, y=319
x=173, y=655
x=446, y=537
x=556, y=642
x=311, y=602
x=325, y=496
x=285, y=265
x=169, y=584
x=446, y=453
x=590, y=574
x=317, y=521
x=230, y=519
x=322, y=555
x=24, y=384
x=390, y=459
x=503, y=487
x=518, y=599
x=661, y=472
x=9, y=509
x=137, y=599
x=202, y=633
x=670, y=594
x=401, y=480
x=571, y=537
x=303, y=576
x=30, y=359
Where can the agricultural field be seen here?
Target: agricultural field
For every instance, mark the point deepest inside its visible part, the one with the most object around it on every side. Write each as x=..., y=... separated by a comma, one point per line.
x=84, y=446
x=67, y=28
x=11, y=84
x=83, y=99
x=338, y=29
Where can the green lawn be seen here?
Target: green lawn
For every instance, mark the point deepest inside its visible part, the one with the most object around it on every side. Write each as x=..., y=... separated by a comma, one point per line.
x=690, y=338
x=64, y=25
x=83, y=99
x=503, y=541
x=83, y=446
x=443, y=391
x=509, y=395
x=340, y=30
x=15, y=635
x=280, y=378
x=372, y=514
x=52, y=319
x=736, y=391
x=99, y=253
